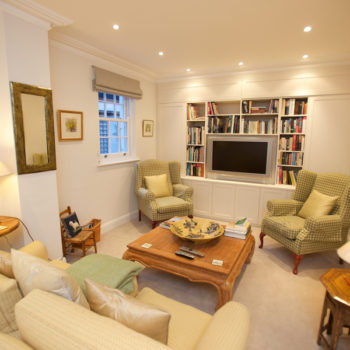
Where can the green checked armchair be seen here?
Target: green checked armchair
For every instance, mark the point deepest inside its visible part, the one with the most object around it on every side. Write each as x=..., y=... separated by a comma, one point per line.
x=160, y=208
x=315, y=233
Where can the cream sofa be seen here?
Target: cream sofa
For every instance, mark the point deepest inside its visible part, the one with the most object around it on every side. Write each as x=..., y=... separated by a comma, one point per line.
x=47, y=321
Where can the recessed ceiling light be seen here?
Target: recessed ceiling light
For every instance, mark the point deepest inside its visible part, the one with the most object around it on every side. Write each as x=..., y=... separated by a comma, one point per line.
x=307, y=29
x=305, y=56
x=160, y=53
x=115, y=26
x=188, y=69
x=240, y=63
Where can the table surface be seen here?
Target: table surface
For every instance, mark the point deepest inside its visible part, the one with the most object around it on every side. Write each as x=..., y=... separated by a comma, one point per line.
x=11, y=223
x=336, y=285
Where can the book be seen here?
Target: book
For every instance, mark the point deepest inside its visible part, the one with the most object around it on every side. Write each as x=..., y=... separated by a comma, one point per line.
x=241, y=226
x=166, y=224
x=237, y=235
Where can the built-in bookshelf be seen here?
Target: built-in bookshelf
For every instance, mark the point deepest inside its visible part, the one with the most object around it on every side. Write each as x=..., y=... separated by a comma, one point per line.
x=293, y=117
x=284, y=118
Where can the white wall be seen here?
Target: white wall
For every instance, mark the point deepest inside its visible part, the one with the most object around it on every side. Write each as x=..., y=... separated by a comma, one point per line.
x=32, y=197
x=102, y=192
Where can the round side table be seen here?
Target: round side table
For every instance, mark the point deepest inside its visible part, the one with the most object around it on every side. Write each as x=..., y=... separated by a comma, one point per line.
x=8, y=224
x=337, y=300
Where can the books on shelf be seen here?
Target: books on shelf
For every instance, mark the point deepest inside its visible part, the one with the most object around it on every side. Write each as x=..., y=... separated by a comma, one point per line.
x=166, y=224
x=287, y=177
x=291, y=158
x=222, y=125
x=195, y=153
x=212, y=108
x=195, y=169
x=195, y=135
x=260, y=126
x=293, y=125
x=192, y=112
x=238, y=229
x=260, y=106
x=292, y=143
x=293, y=106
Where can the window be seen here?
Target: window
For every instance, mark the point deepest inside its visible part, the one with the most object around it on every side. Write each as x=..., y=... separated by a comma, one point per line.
x=115, y=125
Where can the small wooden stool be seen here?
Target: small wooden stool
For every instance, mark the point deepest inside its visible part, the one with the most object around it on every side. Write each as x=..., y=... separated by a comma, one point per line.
x=337, y=300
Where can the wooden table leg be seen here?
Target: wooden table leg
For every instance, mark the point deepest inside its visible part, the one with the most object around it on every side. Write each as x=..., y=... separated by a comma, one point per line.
x=323, y=315
x=225, y=292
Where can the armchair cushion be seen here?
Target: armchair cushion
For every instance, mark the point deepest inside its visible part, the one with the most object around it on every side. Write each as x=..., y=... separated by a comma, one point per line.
x=171, y=204
x=288, y=226
x=317, y=204
x=158, y=184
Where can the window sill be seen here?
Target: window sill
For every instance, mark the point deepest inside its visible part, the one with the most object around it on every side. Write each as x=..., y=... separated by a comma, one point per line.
x=105, y=162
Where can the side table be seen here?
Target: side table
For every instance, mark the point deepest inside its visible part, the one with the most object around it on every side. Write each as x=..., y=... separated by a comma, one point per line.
x=8, y=224
x=337, y=300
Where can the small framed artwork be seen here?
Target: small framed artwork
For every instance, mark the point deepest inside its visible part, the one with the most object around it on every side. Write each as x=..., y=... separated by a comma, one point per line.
x=147, y=128
x=70, y=125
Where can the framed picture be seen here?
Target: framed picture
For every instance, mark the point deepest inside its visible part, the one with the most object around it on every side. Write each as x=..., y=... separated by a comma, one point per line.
x=70, y=125
x=147, y=128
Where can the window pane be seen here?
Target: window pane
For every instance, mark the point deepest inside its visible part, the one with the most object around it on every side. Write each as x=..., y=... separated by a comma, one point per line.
x=103, y=145
x=110, y=110
x=123, y=128
x=114, y=128
x=120, y=99
x=120, y=111
x=103, y=128
x=109, y=97
x=101, y=109
x=124, y=145
x=114, y=145
x=100, y=95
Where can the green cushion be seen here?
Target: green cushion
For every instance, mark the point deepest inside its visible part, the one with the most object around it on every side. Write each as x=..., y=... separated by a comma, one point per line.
x=107, y=270
x=288, y=226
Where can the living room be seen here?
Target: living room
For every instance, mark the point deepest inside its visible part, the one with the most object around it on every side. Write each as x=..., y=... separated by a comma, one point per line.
x=32, y=53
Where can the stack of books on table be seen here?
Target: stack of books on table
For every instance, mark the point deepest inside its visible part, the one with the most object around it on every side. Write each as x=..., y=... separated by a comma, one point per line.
x=238, y=229
x=166, y=224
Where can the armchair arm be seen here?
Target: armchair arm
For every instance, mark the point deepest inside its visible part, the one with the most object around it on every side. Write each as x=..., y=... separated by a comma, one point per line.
x=146, y=194
x=326, y=228
x=228, y=329
x=282, y=207
x=183, y=191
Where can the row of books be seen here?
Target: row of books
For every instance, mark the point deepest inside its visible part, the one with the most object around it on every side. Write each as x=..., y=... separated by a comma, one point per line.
x=266, y=126
x=287, y=177
x=292, y=143
x=195, y=153
x=212, y=108
x=238, y=228
x=195, y=135
x=293, y=125
x=192, y=112
x=223, y=125
x=195, y=169
x=256, y=107
x=291, y=158
x=293, y=106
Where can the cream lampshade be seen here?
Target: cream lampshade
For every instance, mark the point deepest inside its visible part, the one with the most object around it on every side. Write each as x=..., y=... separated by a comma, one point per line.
x=4, y=170
x=344, y=252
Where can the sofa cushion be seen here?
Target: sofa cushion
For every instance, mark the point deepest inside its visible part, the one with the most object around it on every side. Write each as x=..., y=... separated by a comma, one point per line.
x=171, y=204
x=318, y=204
x=6, y=264
x=158, y=184
x=288, y=226
x=143, y=318
x=32, y=272
x=66, y=325
x=187, y=324
x=9, y=296
x=7, y=342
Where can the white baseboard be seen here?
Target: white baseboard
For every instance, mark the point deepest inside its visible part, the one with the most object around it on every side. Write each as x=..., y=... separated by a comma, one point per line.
x=111, y=224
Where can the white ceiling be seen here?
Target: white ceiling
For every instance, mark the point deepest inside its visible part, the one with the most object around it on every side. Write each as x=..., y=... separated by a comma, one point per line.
x=210, y=36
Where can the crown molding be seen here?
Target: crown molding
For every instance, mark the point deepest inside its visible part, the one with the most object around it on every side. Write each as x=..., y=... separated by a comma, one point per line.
x=28, y=8
x=89, y=49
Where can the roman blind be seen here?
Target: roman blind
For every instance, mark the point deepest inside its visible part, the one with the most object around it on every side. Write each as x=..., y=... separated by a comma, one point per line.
x=115, y=83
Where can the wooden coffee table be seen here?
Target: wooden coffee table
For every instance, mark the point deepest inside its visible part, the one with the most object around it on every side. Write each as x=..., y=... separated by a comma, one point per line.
x=161, y=255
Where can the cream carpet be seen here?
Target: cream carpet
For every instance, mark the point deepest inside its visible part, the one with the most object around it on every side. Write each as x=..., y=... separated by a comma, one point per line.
x=285, y=308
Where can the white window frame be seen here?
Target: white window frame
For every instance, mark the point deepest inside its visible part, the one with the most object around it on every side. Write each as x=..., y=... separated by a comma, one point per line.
x=129, y=113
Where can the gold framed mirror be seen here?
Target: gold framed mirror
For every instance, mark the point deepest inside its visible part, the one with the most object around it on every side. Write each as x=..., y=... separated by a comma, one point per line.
x=33, y=128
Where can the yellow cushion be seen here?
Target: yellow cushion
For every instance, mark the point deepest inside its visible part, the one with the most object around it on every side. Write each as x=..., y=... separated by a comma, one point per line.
x=158, y=184
x=187, y=324
x=6, y=264
x=318, y=204
x=35, y=273
x=143, y=318
x=8, y=342
x=36, y=248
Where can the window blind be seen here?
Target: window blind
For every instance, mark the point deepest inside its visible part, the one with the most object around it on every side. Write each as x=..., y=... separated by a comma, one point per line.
x=115, y=83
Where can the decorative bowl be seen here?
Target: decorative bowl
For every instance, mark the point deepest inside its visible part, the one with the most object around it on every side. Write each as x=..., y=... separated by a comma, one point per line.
x=197, y=230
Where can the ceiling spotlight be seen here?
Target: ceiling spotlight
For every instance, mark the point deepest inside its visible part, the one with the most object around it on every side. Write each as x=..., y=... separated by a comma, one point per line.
x=305, y=56
x=188, y=69
x=160, y=53
x=240, y=63
x=307, y=29
x=115, y=27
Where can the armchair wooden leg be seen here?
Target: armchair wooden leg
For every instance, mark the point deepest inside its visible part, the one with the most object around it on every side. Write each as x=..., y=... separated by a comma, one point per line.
x=154, y=224
x=262, y=235
x=190, y=216
x=139, y=215
x=341, y=261
x=297, y=259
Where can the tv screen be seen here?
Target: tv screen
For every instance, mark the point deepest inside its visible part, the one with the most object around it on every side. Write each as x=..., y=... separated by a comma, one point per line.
x=240, y=156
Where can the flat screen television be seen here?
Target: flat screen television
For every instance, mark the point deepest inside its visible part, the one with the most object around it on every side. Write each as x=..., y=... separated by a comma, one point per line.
x=241, y=158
